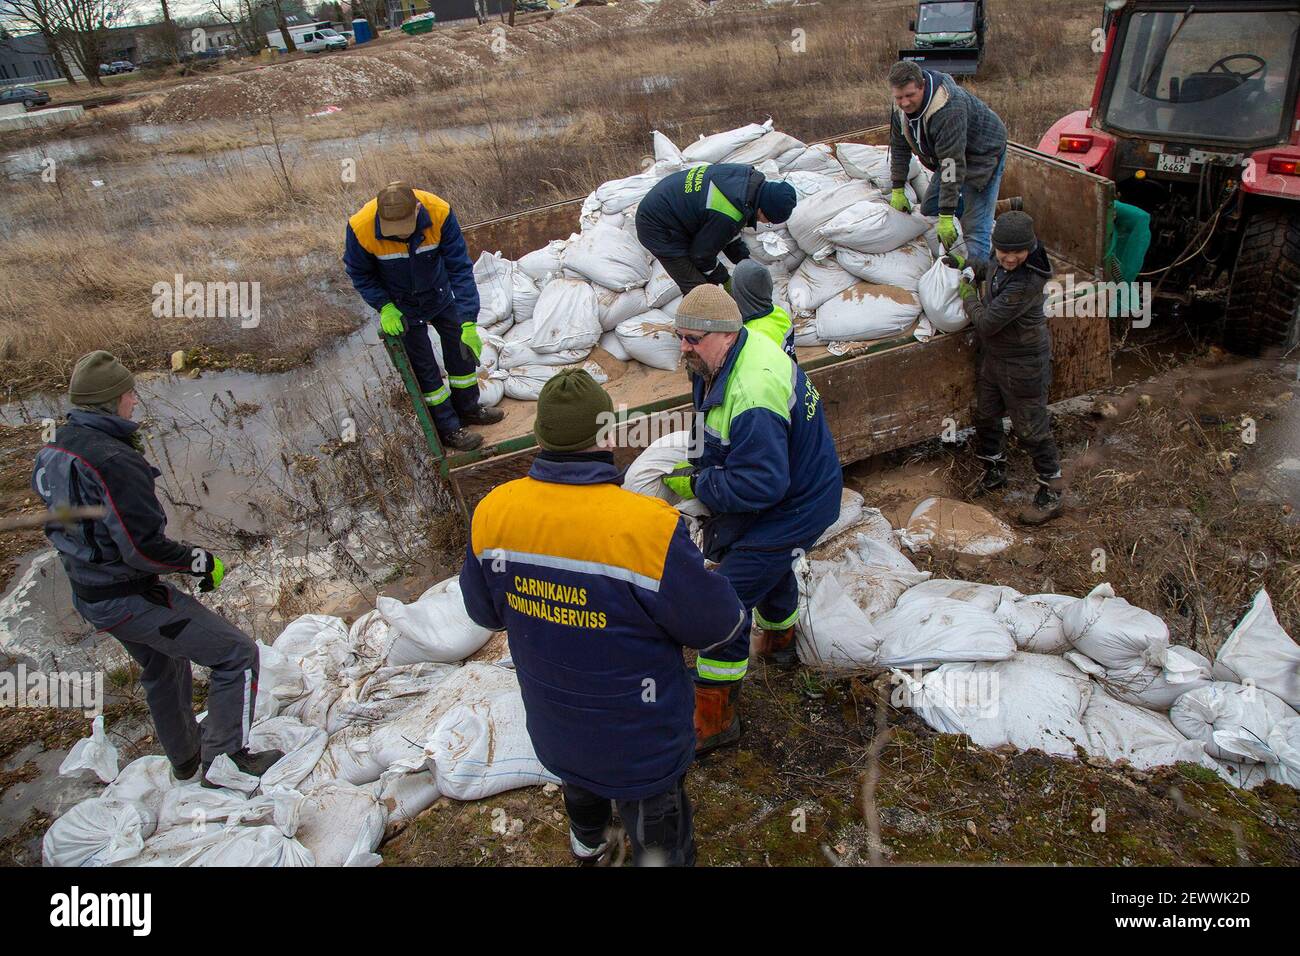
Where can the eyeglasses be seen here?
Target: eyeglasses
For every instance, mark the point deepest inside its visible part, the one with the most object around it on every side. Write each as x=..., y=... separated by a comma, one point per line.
x=690, y=339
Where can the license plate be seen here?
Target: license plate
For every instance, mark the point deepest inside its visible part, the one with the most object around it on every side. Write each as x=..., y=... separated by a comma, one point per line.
x=1168, y=163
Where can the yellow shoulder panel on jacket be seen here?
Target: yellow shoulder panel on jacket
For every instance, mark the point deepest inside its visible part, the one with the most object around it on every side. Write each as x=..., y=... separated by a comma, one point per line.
x=438, y=209
x=363, y=227
x=596, y=525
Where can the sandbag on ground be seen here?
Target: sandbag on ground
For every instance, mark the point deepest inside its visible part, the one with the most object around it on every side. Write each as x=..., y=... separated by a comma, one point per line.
x=1030, y=701
x=833, y=632
x=341, y=825
x=1113, y=632
x=100, y=831
x=435, y=627
x=986, y=597
x=1229, y=718
x=481, y=748
x=938, y=631
x=1143, y=738
x=215, y=845
x=1034, y=621
x=1259, y=650
x=943, y=524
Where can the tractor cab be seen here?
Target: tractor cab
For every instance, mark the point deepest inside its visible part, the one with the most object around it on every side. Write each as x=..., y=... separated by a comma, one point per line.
x=1194, y=117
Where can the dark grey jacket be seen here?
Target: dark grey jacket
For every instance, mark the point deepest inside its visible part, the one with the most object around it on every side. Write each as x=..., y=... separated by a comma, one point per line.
x=92, y=462
x=1008, y=314
x=958, y=126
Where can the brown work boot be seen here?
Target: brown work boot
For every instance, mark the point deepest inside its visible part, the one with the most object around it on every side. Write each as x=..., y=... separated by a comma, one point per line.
x=717, y=715
x=1011, y=204
x=1047, y=504
x=481, y=416
x=462, y=439
x=778, y=647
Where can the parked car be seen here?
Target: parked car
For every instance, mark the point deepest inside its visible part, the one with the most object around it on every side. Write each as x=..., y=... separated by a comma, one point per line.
x=27, y=95
x=106, y=69
x=123, y=66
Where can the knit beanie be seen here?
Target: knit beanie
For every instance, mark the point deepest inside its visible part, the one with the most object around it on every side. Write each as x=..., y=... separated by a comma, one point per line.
x=569, y=411
x=1014, y=231
x=751, y=287
x=99, y=379
x=708, y=308
x=777, y=200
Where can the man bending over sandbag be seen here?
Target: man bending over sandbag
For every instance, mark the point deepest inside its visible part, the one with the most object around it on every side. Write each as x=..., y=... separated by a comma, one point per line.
x=768, y=474
x=1004, y=299
x=691, y=217
x=599, y=589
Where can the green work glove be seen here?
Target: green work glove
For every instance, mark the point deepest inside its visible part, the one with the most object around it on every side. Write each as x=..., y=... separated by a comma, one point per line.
x=947, y=232
x=469, y=336
x=898, y=199
x=390, y=320
x=212, y=574
x=965, y=289
x=955, y=261
x=681, y=480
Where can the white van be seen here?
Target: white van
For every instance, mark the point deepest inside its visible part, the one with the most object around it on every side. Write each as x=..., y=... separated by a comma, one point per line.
x=309, y=39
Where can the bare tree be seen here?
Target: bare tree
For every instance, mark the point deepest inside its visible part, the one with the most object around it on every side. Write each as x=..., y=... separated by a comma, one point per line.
x=39, y=16
x=277, y=9
x=83, y=26
x=241, y=15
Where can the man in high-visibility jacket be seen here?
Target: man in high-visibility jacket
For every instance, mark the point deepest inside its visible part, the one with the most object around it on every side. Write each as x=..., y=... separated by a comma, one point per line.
x=691, y=217
x=771, y=479
x=405, y=255
x=751, y=287
x=599, y=589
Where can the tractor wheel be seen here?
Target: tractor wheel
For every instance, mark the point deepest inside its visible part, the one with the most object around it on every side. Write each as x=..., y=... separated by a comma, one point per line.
x=1263, y=313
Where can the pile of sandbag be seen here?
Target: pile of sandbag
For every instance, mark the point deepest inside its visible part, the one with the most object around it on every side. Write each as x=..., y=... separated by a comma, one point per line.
x=847, y=266
x=376, y=721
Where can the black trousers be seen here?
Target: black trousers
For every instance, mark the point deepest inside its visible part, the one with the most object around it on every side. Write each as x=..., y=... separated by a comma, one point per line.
x=687, y=274
x=1018, y=387
x=459, y=394
x=660, y=827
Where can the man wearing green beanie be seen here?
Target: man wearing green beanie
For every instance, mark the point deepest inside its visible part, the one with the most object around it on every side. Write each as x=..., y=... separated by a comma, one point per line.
x=114, y=562
x=599, y=589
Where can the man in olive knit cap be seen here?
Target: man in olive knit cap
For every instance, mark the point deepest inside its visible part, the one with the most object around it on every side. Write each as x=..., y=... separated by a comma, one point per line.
x=599, y=589
x=114, y=562
x=1004, y=299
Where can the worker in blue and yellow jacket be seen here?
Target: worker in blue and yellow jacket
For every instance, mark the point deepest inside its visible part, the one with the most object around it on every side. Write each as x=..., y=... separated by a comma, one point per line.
x=691, y=217
x=599, y=589
x=770, y=477
x=751, y=287
x=405, y=255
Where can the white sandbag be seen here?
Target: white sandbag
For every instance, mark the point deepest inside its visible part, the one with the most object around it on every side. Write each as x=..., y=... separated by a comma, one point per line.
x=651, y=340
x=341, y=824
x=774, y=248
x=944, y=524
x=1030, y=701
x=986, y=597
x=611, y=343
x=618, y=194
x=808, y=184
x=933, y=632
x=615, y=307
x=195, y=806
x=565, y=317
x=851, y=505
x=712, y=149
x=519, y=352
x=301, y=743
x=1158, y=686
x=214, y=845
x=145, y=780
x=1229, y=718
x=492, y=388
x=932, y=236
x=869, y=522
x=1141, y=737
x=918, y=180
x=872, y=226
x=1284, y=748
x=436, y=627
x=100, y=831
x=1034, y=621
x=902, y=267
x=645, y=475
x=224, y=772
x=524, y=293
x=405, y=791
x=865, y=311
x=833, y=632
x=940, y=298
x=771, y=145
x=805, y=328
x=862, y=161
x=378, y=695
x=815, y=211
x=494, y=276
x=279, y=681
x=541, y=264
x=815, y=283
x=525, y=383
x=666, y=152
x=670, y=309
x=1259, y=650
x=482, y=748
x=814, y=159
x=312, y=639
x=872, y=573
x=661, y=288
x=91, y=755
x=609, y=257
x=1113, y=632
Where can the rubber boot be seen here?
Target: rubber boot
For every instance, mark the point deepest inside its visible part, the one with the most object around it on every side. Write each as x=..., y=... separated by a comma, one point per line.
x=995, y=475
x=778, y=647
x=481, y=416
x=1048, y=503
x=184, y=771
x=717, y=715
x=602, y=855
x=462, y=439
x=253, y=764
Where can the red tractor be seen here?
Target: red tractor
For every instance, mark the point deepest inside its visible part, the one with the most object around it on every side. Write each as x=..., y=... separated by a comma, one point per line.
x=1194, y=117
